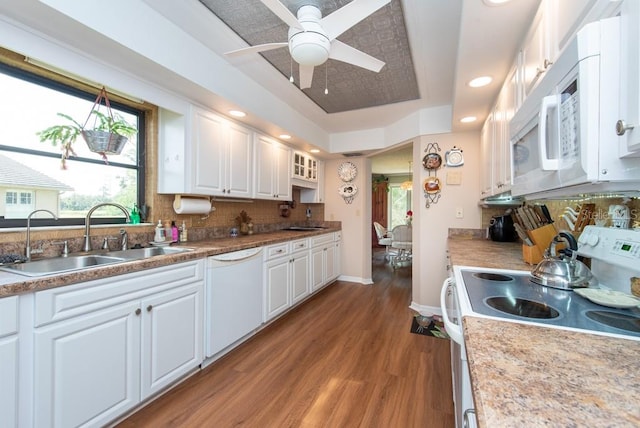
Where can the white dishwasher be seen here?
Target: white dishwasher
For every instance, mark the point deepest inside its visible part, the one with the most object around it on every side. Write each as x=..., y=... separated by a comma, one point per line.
x=233, y=296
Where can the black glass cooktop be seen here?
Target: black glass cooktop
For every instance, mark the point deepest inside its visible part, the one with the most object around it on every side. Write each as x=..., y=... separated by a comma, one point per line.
x=514, y=296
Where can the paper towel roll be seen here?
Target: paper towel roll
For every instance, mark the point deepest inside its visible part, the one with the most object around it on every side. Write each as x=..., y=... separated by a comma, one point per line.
x=182, y=205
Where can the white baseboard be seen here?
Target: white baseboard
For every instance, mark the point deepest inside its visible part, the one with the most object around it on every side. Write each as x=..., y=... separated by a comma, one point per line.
x=425, y=310
x=360, y=280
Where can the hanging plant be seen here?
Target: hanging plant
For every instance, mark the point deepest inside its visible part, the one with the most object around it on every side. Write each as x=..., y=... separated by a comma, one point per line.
x=380, y=179
x=107, y=136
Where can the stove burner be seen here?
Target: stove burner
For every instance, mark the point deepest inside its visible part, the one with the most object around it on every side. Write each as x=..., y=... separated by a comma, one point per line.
x=617, y=320
x=492, y=276
x=522, y=307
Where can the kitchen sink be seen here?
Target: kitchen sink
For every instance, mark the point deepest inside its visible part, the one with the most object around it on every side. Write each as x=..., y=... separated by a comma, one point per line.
x=61, y=264
x=144, y=253
x=305, y=228
x=71, y=263
x=522, y=307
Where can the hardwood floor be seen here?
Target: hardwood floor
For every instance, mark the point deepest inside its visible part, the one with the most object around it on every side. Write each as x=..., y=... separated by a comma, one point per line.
x=345, y=358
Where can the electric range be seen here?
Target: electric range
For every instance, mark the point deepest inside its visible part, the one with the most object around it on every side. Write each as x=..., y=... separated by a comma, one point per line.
x=510, y=294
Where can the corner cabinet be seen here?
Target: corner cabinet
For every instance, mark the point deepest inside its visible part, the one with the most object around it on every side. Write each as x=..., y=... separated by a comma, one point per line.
x=104, y=346
x=272, y=169
x=204, y=154
x=315, y=195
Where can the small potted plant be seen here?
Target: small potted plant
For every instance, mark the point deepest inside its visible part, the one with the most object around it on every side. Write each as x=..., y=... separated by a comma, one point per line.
x=108, y=136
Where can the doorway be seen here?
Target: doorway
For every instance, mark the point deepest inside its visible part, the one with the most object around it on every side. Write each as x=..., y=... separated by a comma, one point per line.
x=392, y=186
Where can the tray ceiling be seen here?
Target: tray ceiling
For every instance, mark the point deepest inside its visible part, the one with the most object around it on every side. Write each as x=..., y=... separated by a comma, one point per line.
x=382, y=35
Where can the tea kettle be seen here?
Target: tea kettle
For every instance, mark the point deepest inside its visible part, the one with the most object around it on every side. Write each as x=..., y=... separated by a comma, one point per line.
x=564, y=270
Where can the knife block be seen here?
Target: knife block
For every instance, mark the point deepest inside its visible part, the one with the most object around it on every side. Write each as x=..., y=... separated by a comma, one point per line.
x=541, y=238
x=531, y=254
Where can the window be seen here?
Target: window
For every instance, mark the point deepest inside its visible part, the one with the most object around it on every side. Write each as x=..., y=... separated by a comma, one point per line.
x=25, y=198
x=399, y=204
x=31, y=176
x=12, y=198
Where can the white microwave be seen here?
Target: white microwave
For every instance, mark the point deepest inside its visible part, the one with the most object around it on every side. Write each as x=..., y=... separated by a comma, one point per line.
x=563, y=138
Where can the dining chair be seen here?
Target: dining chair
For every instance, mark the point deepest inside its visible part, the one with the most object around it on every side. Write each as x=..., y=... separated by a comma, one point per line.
x=384, y=238
x=401, y=242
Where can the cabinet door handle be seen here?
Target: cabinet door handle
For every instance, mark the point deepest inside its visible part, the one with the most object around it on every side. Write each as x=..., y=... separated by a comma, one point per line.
x=149, y=308
x=138, y=311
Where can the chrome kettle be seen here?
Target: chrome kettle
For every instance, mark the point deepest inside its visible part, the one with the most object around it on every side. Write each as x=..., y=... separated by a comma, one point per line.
x=563, y=270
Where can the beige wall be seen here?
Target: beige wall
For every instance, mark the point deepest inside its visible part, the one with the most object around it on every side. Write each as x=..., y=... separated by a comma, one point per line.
x=431, y=225
x=355, y=218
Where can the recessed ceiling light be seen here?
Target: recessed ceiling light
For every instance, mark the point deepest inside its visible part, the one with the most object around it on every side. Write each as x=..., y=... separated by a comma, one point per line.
x=314, y=150
x=237, y=113
x=481, y=81
x=495, y=2
x=468, y=119
x=285, y=136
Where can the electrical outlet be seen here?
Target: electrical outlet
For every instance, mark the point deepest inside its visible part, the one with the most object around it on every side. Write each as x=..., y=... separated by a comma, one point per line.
x=459, y=213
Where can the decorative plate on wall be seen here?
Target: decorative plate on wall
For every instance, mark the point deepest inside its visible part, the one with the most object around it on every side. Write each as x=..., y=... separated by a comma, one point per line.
x=347, y=171
x=454, y=157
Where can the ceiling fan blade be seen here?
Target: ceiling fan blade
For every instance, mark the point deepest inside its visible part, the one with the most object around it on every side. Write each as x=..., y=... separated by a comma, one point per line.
x=306, y=76
x=349, y=15
x=345, y=53
x=283, y=13
x=257, y=48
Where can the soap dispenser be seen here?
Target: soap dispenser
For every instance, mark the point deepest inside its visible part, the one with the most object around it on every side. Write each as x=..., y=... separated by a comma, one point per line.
x=160, y=234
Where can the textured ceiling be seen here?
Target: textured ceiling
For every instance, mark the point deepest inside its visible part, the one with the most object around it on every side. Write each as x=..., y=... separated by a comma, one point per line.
x=382, y=35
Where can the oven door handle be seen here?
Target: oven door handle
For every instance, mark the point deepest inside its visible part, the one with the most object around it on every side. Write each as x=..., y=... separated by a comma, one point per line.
x=453, y=330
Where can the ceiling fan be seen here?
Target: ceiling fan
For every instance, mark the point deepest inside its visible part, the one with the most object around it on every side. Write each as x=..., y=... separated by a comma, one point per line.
x=312, y=38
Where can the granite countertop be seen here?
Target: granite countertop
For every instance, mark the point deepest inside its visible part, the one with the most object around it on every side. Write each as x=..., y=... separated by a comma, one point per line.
x=12, y=284
x=537, y=376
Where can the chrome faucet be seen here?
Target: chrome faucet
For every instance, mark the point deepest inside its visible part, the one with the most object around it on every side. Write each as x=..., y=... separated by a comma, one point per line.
x=87, y=222
x=27, y=250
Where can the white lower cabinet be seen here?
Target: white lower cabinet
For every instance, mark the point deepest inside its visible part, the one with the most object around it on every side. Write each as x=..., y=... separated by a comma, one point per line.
x=103, y=347
x=286, y=276
x=325, y=259
x=9, y=361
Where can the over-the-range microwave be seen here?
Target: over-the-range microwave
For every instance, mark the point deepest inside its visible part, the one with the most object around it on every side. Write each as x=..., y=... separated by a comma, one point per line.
x=563, y=138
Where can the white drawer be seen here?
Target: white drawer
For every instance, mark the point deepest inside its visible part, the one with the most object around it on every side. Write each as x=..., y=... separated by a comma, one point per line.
x=276, y=250
x=299, y=245
x=321, y=239
x=8, y=315
x=72, y=300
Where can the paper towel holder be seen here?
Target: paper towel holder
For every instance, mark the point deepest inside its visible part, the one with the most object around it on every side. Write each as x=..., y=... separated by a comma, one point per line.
x=178, y=200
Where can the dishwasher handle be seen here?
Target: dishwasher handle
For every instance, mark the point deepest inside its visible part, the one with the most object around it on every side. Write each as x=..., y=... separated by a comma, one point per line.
x=453, y=330
x=235, y=256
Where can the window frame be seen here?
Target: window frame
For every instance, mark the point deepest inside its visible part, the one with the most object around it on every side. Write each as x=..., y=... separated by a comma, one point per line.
x=139, y=167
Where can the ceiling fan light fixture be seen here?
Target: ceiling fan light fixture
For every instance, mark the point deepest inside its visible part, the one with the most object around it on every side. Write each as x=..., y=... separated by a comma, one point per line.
x=310, y=49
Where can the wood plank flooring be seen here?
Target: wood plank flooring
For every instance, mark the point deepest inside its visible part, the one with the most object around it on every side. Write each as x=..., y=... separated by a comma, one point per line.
x=345, y=358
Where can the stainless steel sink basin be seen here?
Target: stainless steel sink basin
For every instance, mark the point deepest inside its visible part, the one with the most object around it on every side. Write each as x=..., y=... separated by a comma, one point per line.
x=61, y=264
x=522, y=307
x=144, y=253
x=305, y=228
x=84, y=261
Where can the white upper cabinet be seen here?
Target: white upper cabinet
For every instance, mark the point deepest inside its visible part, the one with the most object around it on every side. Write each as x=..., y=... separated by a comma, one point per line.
x=314, y=195
x=535, y=54
x=628, y=124
x=305, y=167
x=204, y=154
x=272, y=179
